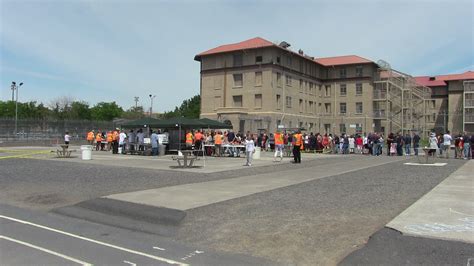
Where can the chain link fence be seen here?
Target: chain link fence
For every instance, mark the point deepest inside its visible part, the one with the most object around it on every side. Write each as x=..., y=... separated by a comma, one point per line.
x=48, y=132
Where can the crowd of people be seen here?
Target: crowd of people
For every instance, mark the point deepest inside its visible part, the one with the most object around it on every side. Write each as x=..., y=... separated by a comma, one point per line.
x=218, y=143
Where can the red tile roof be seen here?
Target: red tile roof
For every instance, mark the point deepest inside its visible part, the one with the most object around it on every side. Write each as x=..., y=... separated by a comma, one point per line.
x=425, y=81
x=342, y=60
x=248, y=44
x=464, y=76
x=441, y=79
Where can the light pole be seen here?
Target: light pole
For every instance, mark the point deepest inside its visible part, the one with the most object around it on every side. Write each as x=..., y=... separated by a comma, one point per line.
x=136, y=101
x=16, y=87
x=151, y=105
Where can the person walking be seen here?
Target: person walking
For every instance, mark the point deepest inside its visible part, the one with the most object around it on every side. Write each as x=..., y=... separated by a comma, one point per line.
x=115, y=139
x=132, y=139
x=407, y=140
x=433, y=144
x=298, y=144
x=141, y=140
x=90, y=137
x=154, y=144
x=447, y=143
x=218, y=143
x=109, y=140
x=98, y=140
x=122, y=141
x=278, y=146
x=67, y=139
x=466, y=146
x=249, y=149
x=416, y=143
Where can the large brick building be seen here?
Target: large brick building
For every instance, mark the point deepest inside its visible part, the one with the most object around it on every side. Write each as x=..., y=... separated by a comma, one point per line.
x=259, y=85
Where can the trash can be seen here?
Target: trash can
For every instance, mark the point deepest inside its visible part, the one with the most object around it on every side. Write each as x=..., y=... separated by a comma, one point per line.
x=162, y=149
x=86, y=152
x=256, y=154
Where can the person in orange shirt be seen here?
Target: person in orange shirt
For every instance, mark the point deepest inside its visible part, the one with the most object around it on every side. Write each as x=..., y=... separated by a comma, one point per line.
x=189, y=140
x=218, y=143
x=90, y=137
x=198, y=140
x=109, y=140
x=297, y=146
x=115, y=139
x=278, y=145
x=98, y=140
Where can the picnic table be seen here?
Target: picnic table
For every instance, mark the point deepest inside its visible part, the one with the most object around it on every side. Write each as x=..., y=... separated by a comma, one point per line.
x=185, y=158
x=426, y=151
x=64, y=152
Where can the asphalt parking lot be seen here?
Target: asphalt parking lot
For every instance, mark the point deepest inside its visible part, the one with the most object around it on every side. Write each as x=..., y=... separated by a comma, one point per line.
x=315, y=222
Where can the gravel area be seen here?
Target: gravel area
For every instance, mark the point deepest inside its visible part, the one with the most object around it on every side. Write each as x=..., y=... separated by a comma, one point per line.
x=317, y=222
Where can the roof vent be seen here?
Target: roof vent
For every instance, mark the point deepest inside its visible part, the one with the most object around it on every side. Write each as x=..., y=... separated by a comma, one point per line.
x=284, y=44
x=300, y=52
x=432, y=78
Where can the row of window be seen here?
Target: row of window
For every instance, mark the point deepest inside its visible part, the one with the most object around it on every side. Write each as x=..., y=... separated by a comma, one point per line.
x=304, y=68
x=359, y=108
x=238, y=83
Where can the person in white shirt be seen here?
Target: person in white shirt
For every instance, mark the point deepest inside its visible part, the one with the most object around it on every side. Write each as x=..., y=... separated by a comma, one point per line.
x=447, y=143
x=249, y=149
x=122, y=143
x=67, y=139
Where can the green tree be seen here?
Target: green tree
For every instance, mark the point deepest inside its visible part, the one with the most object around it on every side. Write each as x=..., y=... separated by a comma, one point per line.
x=106, y=111
x=134, y=113
x=190, y=108
x=80, y=110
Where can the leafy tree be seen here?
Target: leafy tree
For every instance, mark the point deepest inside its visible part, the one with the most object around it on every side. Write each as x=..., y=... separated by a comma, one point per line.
x=190, y=108
x=104, y=111
x=80, y=110
x=134, y=113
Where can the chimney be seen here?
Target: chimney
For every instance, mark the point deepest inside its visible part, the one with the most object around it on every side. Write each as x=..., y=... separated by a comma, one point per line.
x=432, y=78
x=300, y=52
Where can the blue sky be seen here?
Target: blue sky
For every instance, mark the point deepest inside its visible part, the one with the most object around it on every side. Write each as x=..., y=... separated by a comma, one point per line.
x=115, y=50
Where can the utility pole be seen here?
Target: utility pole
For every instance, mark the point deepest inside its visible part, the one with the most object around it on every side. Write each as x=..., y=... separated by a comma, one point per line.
x=151, y=103
x=14, y=87
x=136, y=101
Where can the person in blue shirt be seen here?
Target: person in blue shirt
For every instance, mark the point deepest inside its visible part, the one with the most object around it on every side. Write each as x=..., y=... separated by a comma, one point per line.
x=154, y=144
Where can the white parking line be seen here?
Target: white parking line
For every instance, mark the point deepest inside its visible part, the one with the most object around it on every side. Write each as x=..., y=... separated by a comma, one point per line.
x=45, y=250
x=95, y=241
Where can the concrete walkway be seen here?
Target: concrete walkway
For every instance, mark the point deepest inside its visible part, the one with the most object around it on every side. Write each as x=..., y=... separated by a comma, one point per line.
x=188, y=196
x=446, y=212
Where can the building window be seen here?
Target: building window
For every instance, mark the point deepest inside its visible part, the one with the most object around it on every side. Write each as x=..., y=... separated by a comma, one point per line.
x=311, y=106
x=327, y=91
x=237, y=100
x=359, y=108
x=343, y=89
x=343, y=108
x=278, y=101
x=258, y=59
x=278, y=79
x=288, y=80
x=289, y=61
x=311, y=87
x=301, y=85
x=301, y=106
x=238, y=80
x=278, y=60
x=288, y=101
x=258, y=78
x=258, y=100
x=327, y=108
x=327, y=128
x=342, y=128
x=342, y=73
x=359, y=71
x=238, y=58
x=433, y=104
x=358, y=88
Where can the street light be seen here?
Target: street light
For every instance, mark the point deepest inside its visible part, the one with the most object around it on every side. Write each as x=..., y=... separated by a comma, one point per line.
x=151, y=105
x=16, y=87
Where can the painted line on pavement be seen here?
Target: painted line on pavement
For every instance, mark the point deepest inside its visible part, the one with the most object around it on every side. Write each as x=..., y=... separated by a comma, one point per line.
x=95, y=241
x=24, y=155
x=46, y=250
